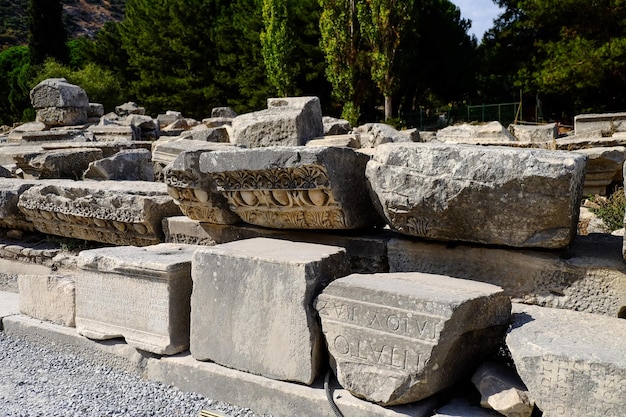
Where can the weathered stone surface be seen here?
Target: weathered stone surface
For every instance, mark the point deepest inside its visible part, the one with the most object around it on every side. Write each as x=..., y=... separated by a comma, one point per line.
x=168, y=118
x=68, y=163
x=251, y=307
x=603, y=124
x=473, y=193
x=287, y=121
x=48, y=297
x=57, y=92
x=51, y=135
x=532, y=133
x=141, y=294
x=192, y=191
x=398, y=338
x=127, y=108
x=10, y=191
x=62, y=116
x=116, y=212
x=590, y=276
x=15, y=135
x=5, y=173
x=489, y=133
x=208, y=134
x=293, y=187
x=502, y=390
x=223, y=112
x=334, y=126
x=366, y=251
x=573, y=363
x=603, y=167
x=129, y=165
x=374, y=134
x=113, y=132
x=95, y=110
x=352, y=140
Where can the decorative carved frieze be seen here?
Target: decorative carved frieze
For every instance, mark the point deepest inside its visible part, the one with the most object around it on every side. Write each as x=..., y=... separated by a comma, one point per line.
x=293, y=187
x=120, y=213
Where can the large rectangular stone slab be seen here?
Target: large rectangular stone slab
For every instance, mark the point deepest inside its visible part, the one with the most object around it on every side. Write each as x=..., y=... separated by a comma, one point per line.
x=402, y=337
x=116, y=212
x=590, y=276
x=366, y=250
x=573, y=363
x=48, y=297
x=252, y=306
x=141, y=294
x=10, y=191
x=489, y=195
x=603, y=124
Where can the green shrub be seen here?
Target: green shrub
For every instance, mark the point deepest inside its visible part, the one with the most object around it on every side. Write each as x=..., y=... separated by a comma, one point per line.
x=611, y=209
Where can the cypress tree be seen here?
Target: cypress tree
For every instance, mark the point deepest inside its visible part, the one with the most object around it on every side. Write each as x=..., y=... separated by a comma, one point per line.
x=47, y=35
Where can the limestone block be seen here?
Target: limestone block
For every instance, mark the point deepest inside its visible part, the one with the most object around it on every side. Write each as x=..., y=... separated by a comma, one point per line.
x=573, y=363
x=218, y=122
x=116, y=212
x=10, y=215
x=48, y=297
x=366, y=251
x=95, y=110
x=489, y=195
x=57, y=92
x=62, y=116
x=15, y=135
x=352, y=140
x=113, y=132
x=502, y=390
x=535, y=134
x=604, y=166
x=252, y=306
x=168, y=118
x=489, y=133
x=334, y=126
x=130, y=165
x=141, y=294
x=590, y=276
x=127, y=108
x=374, y=134
x=402, y=337
x=208, y=134
x=192, y=191
x=287, y=121
x=605, y=124
x=293, y=187
x=5, y=173
x=68, y=163
x=51, y=135
x=223, y=112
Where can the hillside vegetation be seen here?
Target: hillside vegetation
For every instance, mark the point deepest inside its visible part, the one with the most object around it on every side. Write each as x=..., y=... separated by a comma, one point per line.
x=82, y=18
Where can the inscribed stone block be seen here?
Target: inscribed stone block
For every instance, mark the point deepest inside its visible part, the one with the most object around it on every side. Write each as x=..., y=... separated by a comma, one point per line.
x=399, y=338
x=252, y=306
x=488, y=195
x=48, y=297
x=573, y=363
x=141, y=294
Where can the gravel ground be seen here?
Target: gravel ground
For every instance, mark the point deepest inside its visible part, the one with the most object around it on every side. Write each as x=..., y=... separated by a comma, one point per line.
x=38, y=382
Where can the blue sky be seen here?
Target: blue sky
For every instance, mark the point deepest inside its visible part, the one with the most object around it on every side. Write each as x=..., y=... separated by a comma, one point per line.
x=480, y=12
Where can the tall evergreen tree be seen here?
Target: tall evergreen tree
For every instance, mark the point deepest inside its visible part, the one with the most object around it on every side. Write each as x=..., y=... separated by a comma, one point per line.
x=47, y=35
x=277, y=46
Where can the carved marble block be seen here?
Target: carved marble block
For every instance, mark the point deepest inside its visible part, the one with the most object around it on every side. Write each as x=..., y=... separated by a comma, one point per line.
x=116, y=212
x=141, y=294
x=293, y=187
x=573, y=363
x=399, y=338
x=488, y=195
x=252, y=305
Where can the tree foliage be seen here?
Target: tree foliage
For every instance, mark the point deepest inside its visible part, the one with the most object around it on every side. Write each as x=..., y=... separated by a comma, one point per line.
x=277, y=46
x=47, y=35
x=14, y=83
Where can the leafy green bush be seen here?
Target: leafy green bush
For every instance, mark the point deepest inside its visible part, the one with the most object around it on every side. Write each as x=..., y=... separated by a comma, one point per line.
x=611, y=210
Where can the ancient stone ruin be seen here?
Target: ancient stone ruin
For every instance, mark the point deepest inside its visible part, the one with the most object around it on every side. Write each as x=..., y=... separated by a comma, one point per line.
x=251, y=257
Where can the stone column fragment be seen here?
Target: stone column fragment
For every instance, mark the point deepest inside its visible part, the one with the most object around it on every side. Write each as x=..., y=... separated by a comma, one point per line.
x=399, y=338
x=116, y=212
x=573, y=363
x=141, y=294
x=489, y=195
x=252, y=306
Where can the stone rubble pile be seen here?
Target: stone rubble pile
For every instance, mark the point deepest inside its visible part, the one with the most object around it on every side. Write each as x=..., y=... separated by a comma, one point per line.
x=282, y=244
